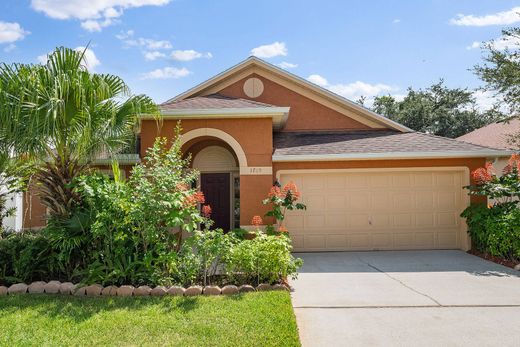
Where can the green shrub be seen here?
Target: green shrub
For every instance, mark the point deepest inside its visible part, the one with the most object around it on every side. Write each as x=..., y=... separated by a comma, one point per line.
x=495, y=229
x=25, y=257
x=266, y=258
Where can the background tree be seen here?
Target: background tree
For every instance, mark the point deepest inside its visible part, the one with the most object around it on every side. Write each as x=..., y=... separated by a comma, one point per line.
x=501, y=72
x=60, y=116
x=438, y=110
x=501, y=68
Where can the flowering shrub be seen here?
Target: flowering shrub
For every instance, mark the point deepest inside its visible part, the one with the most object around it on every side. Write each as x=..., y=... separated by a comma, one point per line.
x=281, y=201
x=502, y=189
x=495, y=228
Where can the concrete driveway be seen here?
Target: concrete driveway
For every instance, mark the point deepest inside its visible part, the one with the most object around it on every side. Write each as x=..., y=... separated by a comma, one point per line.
x=406, y=298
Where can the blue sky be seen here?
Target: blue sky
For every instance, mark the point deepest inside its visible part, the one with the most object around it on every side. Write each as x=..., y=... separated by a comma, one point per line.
x=163, y=47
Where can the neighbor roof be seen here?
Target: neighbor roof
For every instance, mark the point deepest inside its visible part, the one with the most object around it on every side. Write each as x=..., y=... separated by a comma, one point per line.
x=318, y=90
x=213, y=101
x=494, y=135
x=294, y=146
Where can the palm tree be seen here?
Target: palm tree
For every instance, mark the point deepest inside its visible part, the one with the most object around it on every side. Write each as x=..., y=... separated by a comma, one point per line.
x=60, y=116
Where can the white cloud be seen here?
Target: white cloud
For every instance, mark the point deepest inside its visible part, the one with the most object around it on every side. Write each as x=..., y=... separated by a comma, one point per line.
x=286, y=65
x=153, y=55
x=93, y=14
x=397, y=20
x=268, y=51
x=166, y=73
x=474, y=45
x=319, y=80
x=189, y=54
x=9, y=47
x=11, y=32
x=353, y=91
x=123, y=35
x=499, y=18
x=89, y=58
x=42, y=59
x=127, y=37
x=484, y=99
x=500, y=43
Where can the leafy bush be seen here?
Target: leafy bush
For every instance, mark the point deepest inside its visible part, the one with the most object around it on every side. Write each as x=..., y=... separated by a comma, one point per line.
x=26, y=256
x=495, y=229
x=265, y=258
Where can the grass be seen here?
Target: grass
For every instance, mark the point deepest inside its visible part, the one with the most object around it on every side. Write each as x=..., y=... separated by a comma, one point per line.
x=253, y=319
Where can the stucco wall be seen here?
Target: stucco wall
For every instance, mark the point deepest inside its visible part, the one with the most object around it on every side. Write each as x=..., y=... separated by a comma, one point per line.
x=305, y=114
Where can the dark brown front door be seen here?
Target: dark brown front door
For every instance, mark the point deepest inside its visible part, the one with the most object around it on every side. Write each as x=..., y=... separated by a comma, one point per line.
x=216, y=189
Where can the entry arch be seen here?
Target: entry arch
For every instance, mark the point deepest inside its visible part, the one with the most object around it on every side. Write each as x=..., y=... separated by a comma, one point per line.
x=222, y=135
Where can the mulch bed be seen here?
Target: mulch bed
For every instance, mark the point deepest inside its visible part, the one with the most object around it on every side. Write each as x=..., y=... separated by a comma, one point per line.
x=498, y=260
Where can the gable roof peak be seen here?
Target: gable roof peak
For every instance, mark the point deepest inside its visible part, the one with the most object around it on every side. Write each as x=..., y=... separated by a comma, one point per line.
x=273, y=69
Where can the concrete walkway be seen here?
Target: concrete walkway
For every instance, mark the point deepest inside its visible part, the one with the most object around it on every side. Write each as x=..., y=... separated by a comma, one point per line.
x=406, y=298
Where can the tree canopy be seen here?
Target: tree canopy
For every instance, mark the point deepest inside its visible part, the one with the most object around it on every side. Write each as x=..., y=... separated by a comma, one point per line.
x=438, y=110
x=60, y=116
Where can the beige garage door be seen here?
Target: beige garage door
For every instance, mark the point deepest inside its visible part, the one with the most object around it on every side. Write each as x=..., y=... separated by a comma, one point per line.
x=378, y=210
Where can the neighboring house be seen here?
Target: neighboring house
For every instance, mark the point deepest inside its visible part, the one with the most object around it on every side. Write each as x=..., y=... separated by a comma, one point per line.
x=14, y=200
x=368, y=182
x=496, y=135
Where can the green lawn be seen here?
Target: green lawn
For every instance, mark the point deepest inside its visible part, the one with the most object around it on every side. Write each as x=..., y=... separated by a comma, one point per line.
x=253, y=319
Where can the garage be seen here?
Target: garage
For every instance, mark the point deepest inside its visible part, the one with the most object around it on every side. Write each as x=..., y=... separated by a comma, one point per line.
x=379, y=209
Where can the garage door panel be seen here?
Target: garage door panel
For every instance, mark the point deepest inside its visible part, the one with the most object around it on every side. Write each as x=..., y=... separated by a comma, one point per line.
x=400, y=180
x=315, y=242
x=377, y=210
x=382, y=240
x=356, y=181
x=424, y=200
x=381, y=201
x=335, y=221
x=337, y=241
x=423, y=180
x=314, y=222
x=360, y=241
x=403, y=201
x=358, y=201
x=425, y=240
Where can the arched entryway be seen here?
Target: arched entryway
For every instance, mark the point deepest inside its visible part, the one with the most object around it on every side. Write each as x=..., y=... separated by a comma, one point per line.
x=219, y=180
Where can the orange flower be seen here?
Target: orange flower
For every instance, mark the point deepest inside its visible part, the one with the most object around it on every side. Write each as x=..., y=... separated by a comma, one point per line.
x=484, y=174
x=206, y=211
x=275, y=191
x=199, y=197
x=256, y=221
x=512, y=163
x=182, y=186
x=291, y=190
x=282, y=229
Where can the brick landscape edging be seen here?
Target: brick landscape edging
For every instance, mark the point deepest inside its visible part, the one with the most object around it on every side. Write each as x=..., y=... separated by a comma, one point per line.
x=68, y=288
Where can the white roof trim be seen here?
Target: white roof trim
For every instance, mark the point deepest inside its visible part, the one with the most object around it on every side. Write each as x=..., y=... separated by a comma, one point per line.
x=229, y=111
x=297, y=79
x=278, y=114
x=392, y=155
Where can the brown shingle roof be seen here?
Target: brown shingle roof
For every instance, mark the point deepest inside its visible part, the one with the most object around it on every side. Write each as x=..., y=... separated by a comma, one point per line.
x=323, y=143
x=212, y=101
x=494, y=135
